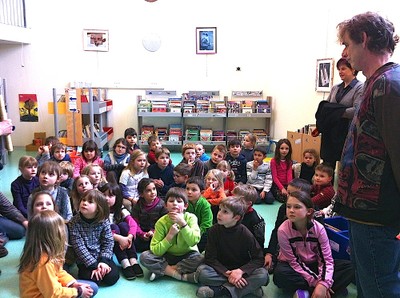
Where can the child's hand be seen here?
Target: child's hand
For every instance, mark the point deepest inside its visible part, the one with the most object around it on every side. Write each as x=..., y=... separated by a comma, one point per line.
x=124, y=242
x=256, y=164
x=213, y=186
x=158, y=182
x=235, y=277
x=177, y=218
x=262, y=194
x=320, y=292
x=96, y=274
x=284, y=191
x=173, y=230
x=87, y=291
x=104, y=268
x=147, y=236
x=268, y=261
x=191, y=162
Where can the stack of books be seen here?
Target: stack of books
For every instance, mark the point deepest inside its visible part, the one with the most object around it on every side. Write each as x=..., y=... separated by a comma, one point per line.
x=262, y=106
x=174, y=104
x=231, y=134
x=192, y=133
x=261, y=134
x=247, y=106
x=144, y=106
x=162, y=133
x=219, y=136
x=233, y=107
x=206, y=135
x=175, y=132
x=146, y=132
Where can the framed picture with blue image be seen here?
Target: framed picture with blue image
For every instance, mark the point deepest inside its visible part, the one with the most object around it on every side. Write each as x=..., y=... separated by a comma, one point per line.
x=206, y=40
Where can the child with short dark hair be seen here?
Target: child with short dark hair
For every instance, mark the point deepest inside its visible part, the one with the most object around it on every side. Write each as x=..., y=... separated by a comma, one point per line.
x=189, y=157
x=322, y=191
x=44, y=150
x=162, y=172
x=90, y=154
x=67, y=171
x=259, y=176
x=236, y=160
x=306, y=169
x=91, y=238
x=201, y=153
x=181, y=175
x=116, y=160
x=130, y=136
x=148, y=209
x=251, y=219
x=49, y=175
x=154, y=144
x=173, y=248
x=217, y=154
x=23, y=185
x=58, y=152
x=230, y=269
x=305, y=264
x=199, y=206
x=249, y=143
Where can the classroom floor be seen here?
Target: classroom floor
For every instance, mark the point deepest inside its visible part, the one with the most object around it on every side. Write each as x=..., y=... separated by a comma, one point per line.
x=140, y=287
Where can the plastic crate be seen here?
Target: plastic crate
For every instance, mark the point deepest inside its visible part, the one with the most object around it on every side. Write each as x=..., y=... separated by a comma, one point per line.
x=338, y=234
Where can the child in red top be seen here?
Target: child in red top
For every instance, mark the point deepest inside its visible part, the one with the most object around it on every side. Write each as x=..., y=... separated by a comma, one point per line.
x=281, y=168
x=322, y=191
x=154, y=144
x=214, y=192
x=229, y=177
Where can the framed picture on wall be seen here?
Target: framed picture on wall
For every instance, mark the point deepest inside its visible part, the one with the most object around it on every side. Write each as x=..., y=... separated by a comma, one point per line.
x=324, y=75
x=95, y=40
x=206, y=40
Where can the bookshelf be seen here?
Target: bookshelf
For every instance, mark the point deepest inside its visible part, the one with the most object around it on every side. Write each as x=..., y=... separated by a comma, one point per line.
x=165, y=109
x=203, y=117
x=85, y=112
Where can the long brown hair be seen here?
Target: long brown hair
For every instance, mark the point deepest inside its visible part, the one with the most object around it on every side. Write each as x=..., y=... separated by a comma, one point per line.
x=45, y=236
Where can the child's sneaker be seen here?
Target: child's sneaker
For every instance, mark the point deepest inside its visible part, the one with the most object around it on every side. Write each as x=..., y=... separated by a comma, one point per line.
x=153, y=276
x=138, y=270
x=129, y=273
x=301, y=294
x=212, y=291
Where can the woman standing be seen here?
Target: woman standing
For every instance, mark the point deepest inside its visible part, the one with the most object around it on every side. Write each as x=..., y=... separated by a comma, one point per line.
x=334, y=115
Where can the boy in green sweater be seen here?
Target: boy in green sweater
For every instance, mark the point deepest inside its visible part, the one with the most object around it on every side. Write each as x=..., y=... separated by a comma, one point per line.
x=200, y=207
x=173, y=248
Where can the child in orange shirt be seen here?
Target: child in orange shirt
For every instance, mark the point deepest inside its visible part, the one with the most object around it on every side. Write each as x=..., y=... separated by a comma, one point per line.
x=214, y=192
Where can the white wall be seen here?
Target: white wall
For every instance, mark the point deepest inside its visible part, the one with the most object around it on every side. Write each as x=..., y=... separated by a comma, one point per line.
x=275, y=44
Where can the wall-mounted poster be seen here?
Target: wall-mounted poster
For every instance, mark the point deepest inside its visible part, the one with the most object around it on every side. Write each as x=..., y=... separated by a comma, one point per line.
x=324, y=77
x=95, y=40
x=28, y=108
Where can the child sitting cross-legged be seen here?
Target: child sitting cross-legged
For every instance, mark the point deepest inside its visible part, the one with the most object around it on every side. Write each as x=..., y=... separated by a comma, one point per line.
x=173, y=249
x=234, y=262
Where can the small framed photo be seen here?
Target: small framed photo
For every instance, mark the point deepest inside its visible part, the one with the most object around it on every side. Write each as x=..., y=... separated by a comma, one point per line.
x=206, y=40
x=95, y=40
x=324, y=75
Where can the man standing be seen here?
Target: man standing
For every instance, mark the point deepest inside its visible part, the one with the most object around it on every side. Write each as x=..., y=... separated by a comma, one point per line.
x=369, y=178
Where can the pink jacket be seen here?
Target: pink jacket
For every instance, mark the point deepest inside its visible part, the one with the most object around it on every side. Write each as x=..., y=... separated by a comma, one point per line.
x=300, y=251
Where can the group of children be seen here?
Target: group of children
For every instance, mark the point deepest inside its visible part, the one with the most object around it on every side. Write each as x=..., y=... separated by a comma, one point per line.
x=186, y=220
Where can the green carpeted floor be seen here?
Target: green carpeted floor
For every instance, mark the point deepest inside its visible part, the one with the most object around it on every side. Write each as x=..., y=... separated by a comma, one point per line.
x=141, y=287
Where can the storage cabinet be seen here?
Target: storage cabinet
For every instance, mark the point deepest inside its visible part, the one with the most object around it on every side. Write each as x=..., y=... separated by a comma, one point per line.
x=86, y=116
x=302, y=141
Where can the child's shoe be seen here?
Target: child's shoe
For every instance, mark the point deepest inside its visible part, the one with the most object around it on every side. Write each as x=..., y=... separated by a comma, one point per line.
x=129, y=273
x=153, y=276
x=301, y=294
x=138, y=270
x=212, y=291
x=3, y=251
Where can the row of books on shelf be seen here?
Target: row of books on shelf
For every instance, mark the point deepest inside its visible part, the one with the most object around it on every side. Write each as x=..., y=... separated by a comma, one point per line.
x=196, y=133
x=203, y=105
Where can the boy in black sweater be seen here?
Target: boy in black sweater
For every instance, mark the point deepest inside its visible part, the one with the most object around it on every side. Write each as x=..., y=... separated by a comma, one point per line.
x=237, y=161
x=230, y=269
